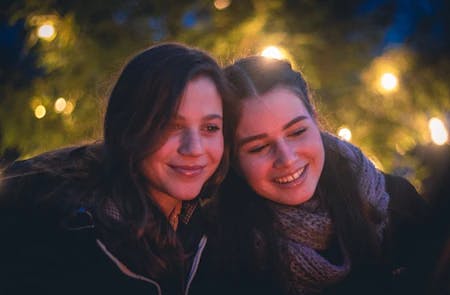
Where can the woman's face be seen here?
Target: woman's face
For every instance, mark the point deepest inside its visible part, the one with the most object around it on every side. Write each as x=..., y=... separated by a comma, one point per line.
x=280, y=150
x=193, y=146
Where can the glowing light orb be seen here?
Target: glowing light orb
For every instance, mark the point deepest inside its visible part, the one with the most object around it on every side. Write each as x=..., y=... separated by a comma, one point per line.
x=40, y=111
x=389, y=82
x=345, y=133
x=221, y=4
x=46, y=32
x=273, y=52
x=439, y=134
x=60, y=105
x=69, y=108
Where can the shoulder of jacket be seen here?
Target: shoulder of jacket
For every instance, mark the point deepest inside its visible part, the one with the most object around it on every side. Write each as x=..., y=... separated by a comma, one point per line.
x=69, y=169
x=404, y=198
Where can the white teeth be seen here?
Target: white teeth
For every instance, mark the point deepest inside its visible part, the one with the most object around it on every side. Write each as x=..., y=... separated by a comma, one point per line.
x=290, y=178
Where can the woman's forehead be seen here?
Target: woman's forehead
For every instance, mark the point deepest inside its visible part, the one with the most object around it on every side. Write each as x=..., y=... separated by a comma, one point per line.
x=272, y=110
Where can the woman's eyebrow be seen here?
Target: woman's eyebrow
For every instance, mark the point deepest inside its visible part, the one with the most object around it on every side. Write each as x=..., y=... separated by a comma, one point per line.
x=212, y=117
x=295, y=120
x=205, y=118
x=248, y=139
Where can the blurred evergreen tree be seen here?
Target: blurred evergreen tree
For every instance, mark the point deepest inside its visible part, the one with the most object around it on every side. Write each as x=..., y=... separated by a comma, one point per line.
x=340, y=45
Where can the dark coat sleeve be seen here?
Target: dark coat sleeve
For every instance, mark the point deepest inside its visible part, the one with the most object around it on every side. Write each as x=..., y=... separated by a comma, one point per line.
x=26, y=253
x=410, y=242
x=40, y=251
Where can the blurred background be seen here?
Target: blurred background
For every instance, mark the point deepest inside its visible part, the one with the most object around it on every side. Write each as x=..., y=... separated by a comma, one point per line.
x=380, y=69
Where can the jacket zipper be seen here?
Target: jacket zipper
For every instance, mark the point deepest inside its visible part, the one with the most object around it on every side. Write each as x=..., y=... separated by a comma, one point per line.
x=124, y=269
x=195, y=263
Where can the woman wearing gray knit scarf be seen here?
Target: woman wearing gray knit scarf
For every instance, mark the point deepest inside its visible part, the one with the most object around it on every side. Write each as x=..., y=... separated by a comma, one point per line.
x=304, y=212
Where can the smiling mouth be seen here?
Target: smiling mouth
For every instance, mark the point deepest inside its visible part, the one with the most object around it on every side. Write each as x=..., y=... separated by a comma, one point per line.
x=291, y=177
x=188, y=170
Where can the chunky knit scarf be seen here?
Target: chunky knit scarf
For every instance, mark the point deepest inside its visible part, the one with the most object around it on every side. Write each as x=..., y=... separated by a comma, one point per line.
x=306, y=230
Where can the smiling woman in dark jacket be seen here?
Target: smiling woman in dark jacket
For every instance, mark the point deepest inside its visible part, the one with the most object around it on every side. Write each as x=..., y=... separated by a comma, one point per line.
x=121, y=216
x=303, y=212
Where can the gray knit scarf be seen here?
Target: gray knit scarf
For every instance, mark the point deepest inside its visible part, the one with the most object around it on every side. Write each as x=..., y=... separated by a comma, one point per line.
x=305, y=229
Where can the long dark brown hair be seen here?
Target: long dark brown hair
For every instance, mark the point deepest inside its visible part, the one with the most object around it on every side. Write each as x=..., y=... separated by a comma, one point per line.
x=143, y=101
x=107, y=175
x=242, y=211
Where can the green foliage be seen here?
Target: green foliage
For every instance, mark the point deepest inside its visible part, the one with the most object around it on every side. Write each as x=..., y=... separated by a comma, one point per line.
x=323, y=39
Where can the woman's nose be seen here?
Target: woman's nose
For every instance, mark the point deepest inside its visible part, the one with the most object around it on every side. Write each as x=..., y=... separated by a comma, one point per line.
x=285, y=155
x=191, y=143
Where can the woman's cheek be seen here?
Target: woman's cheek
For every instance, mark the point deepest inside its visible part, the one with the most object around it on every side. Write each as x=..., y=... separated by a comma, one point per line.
x=251, y=167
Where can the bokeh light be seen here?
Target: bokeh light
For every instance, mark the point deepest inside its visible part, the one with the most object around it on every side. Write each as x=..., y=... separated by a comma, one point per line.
x=273, y=52
x=69, y=108
x=40, y=111
x=439, y=134
x=376, y=162
x=221, y=4
x=344, y=133
x=60, y=105
x=389, y=82
x=46, y=31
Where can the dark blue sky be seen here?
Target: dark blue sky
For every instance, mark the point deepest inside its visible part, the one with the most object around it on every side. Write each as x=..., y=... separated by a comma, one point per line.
x=420, y=23
x=420, y=19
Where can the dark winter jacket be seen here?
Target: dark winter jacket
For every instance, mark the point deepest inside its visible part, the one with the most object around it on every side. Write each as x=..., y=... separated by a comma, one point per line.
x=54, y=247
x=408, y=255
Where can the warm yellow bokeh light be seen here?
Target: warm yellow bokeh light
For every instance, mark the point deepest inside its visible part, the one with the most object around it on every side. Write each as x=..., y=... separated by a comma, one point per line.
x=69, y=108
x=273, y=52
x=376, y=162
x=40, y=111
x=46, y=32
x=439, y=134
x=221, y=4
x=60, y=105
x=345, y=133
x=389, y=81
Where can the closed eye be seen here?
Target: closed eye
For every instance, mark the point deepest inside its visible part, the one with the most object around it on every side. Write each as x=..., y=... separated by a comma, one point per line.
x=258, y=149
x=297, y=132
